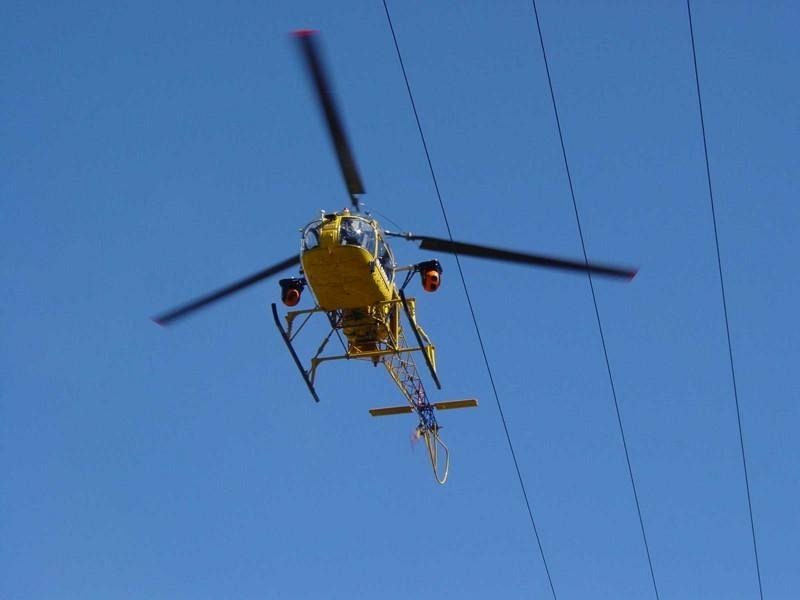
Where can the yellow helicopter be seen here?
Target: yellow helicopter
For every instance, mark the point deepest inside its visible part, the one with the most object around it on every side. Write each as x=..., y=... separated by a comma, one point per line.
x=346, y=262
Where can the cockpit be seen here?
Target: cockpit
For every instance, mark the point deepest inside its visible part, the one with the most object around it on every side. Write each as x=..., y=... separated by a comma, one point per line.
x=351, y=230
x=355, y=231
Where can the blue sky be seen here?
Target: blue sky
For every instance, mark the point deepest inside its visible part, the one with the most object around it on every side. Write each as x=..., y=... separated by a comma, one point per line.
x=153, y=152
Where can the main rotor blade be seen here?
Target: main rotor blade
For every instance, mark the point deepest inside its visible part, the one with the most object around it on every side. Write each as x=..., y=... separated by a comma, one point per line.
x=441, y=245
x=186, y=309
x=319, y=76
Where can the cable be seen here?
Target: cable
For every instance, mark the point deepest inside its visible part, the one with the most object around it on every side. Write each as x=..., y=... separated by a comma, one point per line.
x=594, y=300
x=469, y=302
x=724, y=302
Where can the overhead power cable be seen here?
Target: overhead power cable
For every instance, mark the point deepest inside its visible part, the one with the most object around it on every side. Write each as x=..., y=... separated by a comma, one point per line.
x=724, y=302
x=469, y=302
x=594, y=299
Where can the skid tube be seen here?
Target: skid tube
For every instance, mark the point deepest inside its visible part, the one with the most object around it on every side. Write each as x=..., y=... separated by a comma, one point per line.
x=288, y=342
x=412, y=321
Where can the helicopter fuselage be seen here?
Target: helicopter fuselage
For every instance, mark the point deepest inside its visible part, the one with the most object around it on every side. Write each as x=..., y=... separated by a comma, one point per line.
x=347, y=263
x=350, y=270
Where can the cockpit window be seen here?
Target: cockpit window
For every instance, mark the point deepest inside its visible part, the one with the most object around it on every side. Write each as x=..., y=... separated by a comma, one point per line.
x=311, y=235
x=357, y=232
x=385, y=257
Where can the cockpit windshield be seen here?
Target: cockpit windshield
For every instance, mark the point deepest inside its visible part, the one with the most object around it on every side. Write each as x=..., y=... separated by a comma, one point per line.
x=311, y=235
x=356, y=231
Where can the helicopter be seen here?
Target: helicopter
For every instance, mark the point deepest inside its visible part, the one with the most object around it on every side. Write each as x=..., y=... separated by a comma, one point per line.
x=358, y=288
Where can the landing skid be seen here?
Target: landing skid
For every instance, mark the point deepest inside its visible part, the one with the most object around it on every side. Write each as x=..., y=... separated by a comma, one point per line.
x=412, y=320
x=288, y=341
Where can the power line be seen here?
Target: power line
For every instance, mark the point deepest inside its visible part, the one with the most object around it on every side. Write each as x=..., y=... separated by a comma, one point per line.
x=594, y=299
x=724, y=301
x=469, y=302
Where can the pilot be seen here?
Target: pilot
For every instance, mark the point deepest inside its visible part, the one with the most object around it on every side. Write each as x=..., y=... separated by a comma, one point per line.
x=351, y=232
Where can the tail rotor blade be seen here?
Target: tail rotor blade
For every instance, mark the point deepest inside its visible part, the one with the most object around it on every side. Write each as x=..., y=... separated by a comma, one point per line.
x=319, y=77
x=406, y=408
x=451, y=404
x=390, y=410
x=186, y=309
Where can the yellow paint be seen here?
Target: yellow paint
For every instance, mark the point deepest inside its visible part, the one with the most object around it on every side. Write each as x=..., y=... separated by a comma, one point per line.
x=344, y=277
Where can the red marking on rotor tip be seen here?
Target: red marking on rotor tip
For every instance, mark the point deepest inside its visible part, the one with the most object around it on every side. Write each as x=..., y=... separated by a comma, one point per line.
x=304, y=32
x=157, y=322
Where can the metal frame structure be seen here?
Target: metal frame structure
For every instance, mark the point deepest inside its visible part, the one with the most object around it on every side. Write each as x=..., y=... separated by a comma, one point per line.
x=388, y=347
